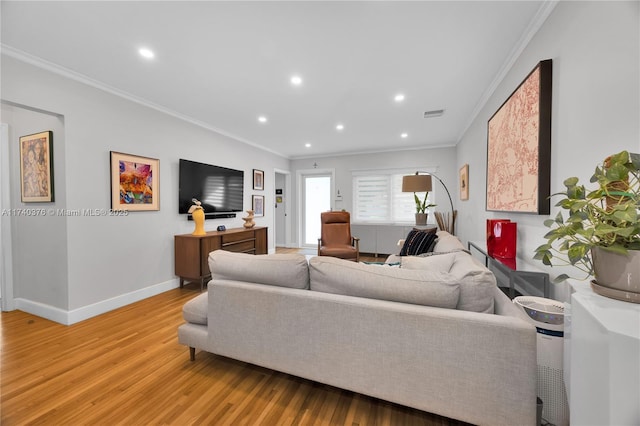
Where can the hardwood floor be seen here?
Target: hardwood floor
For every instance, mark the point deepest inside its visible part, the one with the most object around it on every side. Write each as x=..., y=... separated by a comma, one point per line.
x=126, y=367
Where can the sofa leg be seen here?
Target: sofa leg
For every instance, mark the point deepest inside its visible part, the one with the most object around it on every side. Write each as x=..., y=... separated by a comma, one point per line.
x=192, y=353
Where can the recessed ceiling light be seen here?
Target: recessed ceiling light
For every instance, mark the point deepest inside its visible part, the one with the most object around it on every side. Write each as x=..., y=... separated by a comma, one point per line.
x=404, y=135
x=308, y=145
x=262, y=119
x=399, y=97
x=340, y=126
x=296, y=80
x=146, y=53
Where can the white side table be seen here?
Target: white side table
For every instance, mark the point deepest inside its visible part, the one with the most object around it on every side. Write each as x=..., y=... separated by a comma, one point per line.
x=602, y=348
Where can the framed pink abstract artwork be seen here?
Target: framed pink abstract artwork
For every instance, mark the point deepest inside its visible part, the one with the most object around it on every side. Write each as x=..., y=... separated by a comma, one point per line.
x=519, y=147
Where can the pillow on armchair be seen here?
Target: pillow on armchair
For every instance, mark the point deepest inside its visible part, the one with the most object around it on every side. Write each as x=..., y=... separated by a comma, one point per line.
x=418, y=241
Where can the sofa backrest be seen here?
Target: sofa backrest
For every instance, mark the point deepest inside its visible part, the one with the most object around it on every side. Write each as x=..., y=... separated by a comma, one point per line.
x=418, y=287
x=284, y=270
x=451, y=279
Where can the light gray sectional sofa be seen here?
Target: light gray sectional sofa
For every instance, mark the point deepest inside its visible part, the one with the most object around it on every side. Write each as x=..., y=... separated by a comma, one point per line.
x=435, y=333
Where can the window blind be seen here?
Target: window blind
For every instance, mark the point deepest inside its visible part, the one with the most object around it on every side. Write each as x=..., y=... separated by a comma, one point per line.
x=378, y=197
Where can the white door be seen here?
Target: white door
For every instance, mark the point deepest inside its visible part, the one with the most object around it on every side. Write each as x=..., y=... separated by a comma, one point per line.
x=316, y=198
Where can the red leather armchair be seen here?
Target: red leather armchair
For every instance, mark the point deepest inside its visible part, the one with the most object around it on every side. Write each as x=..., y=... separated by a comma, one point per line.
x=335, y=236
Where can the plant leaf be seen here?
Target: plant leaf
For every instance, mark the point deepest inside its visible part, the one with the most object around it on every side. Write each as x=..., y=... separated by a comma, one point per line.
x=560, y=278
x=577, y=252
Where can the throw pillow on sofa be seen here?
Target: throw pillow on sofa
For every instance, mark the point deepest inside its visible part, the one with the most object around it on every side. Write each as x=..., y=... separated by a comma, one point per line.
x=338, y=276
x=418, y=242
x=284, y=270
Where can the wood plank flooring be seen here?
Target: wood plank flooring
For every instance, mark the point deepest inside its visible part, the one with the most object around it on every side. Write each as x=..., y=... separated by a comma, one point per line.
x=126, y=367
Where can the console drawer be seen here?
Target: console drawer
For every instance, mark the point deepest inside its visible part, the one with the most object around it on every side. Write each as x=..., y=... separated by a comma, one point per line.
x=237, y=236
x=248, y=246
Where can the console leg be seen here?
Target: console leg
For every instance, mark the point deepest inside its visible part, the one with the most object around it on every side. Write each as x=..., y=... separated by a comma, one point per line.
x=192, y=353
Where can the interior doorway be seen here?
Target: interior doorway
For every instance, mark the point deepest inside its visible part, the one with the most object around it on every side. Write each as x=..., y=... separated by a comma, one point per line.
x=282, y=209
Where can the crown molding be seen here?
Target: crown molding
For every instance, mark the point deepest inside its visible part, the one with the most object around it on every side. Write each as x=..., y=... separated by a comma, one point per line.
x=81, y=78
x=373, y=151
x=534, y=26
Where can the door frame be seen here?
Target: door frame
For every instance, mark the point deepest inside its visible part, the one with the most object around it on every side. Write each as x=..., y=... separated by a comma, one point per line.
x=6, y=258
x=287, y=207
x=300, y=174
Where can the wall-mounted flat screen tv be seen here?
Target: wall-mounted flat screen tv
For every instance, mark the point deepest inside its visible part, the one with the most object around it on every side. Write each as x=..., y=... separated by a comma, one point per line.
x=219, y=189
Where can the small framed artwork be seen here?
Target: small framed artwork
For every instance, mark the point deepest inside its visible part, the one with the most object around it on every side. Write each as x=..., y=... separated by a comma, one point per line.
x=258, y=205
x=36, y=168
x=135, y=182
x=258, y=179
x=464, y=182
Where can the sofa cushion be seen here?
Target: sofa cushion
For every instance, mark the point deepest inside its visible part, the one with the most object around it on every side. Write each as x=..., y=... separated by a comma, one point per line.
x=440, y=263
x=283, y=270
x=195, y=310
x=477, y=283
x=447, y=242
x=418, y=287
x=417, y=242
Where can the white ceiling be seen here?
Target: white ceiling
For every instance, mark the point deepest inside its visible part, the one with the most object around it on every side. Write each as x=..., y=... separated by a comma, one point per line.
x=222, y=64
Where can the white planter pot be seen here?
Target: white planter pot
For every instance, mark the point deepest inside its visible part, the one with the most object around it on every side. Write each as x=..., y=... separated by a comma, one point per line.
x=617, y=276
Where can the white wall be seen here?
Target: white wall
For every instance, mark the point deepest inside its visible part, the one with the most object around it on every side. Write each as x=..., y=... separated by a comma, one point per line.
x=595, y=109
x=43, y=275
x=442, y=160
x=112, y=261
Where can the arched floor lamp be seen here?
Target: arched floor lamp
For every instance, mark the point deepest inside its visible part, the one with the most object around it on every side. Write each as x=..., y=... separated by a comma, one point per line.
x=422, y=183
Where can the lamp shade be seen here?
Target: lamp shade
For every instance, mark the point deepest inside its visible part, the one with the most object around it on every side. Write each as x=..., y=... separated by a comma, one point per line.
x=416, y=183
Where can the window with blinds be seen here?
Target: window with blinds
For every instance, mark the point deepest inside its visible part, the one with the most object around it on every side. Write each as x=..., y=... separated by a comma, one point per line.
x=378, y=197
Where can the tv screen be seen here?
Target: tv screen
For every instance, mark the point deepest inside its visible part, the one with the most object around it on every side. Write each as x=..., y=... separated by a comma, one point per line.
x=219, y=189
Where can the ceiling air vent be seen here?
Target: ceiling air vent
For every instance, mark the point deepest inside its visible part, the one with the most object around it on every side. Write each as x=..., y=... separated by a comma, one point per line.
x=434, y=113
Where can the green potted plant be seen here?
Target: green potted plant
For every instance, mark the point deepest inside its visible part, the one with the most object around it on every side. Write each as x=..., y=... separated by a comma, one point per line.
x=421, y=208
x=601, y=234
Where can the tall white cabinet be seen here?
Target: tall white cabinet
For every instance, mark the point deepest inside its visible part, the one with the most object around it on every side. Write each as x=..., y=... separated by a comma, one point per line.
x=602, y=350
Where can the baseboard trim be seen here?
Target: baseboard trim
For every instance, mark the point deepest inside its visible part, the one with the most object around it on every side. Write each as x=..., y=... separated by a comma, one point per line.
x=41, y=310
x=76, y=315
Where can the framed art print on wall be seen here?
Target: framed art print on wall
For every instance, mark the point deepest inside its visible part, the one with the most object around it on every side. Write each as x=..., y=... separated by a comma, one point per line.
x=135, y=182
x=258, y=179
x=258, y=205
x=464, y=182
x=519, y=147
x=36, y=168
